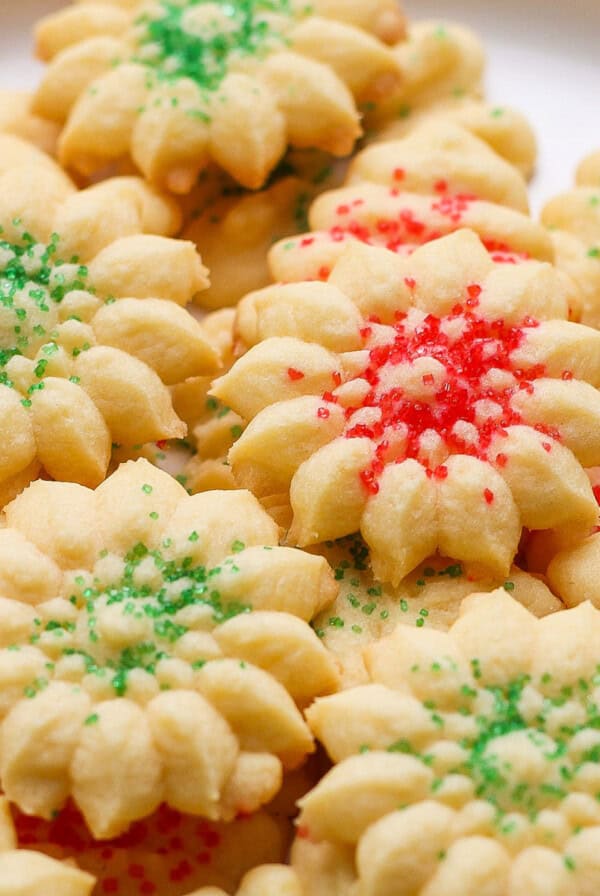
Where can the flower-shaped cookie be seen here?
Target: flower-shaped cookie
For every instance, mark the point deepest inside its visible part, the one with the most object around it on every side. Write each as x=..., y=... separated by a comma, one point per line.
x=366, y=610
x=175, y=85
x=25, y=872
x=234, y=229
x=212, y=426
x=440, y=61
x=17, y=118
x=506, y=130
x=166, y=853
x=470, y=762
x=407, y=192
x=573, y=219
x=84, y=363
x=434, y=402
x=442, y=66
x=129, y=646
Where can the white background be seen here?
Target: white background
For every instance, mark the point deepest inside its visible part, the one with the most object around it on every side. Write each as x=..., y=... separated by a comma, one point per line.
x=544, y=57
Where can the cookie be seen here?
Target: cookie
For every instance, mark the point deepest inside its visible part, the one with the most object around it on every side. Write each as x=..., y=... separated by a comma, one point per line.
x=17, y=118
x=25, y=871
x=470, y=762
x=234, y=228
x=440, y=61
x=129, y=644
x=573, y=219
x=85, y=363
x=435, y=402
x=504, y=129
x=405, y=193
x=175, y=86
x=366, y=610
x=166, y=854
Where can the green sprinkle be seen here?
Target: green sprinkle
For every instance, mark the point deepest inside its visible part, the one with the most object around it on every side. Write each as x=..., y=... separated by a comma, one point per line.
x=91, y=720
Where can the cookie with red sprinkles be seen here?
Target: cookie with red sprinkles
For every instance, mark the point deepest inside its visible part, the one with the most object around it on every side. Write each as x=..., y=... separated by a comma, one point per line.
x=439, y=402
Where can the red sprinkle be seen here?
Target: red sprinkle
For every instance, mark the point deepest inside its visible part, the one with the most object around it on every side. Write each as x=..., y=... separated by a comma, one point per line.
x=399, y=173
x=488, y=495
x=566, y=375
x=295, y=374
x=410, y=282
x=323, y=413
x=323, y=272
x=441, y=472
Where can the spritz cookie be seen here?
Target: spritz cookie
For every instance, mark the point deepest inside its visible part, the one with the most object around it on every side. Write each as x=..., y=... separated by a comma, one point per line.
x=573, y=219
x=17, y=118
x=435, y=402
x=234, y=229
x=404, y=193
x=443, y=65
x=27, y=872
x=366, y=610
x=84, y=363
x=166, y=854
x=440, y=61
x=129, y=644
x=212, y=426
x=469, y=761
x=176, y=85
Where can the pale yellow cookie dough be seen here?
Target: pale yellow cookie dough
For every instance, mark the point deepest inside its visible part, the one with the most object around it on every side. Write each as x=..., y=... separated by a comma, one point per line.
x=158, y=644
x=436, y=402
x=175, y=86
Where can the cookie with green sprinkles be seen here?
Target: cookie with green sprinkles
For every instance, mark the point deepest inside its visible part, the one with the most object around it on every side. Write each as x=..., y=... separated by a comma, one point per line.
x=470, y=762
x=92, y=334
x=366, y=610
x=175, y=84
x=573, y=219
x=159, y=642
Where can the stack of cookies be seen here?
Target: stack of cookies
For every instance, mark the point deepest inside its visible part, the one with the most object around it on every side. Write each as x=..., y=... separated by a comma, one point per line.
x=299, y=560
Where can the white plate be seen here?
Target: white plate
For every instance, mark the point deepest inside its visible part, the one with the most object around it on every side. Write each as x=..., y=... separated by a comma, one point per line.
x=543, y=58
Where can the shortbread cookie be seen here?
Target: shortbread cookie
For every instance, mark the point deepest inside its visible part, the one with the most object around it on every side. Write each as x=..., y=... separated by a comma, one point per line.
x=573, y=219
x=407, y=192
x=17, y=118
x=234, y=229
x=435, y=402
x=266, y=880
x=175, y=85
x=469, y=762
x=443, y=65
x=506, y=130
x=574, y=570
x=166, y=854
x=84, y=363
x=129, y=644
x=440, y=61
x=212, y=426
x=366, y=610
x=27, y=872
